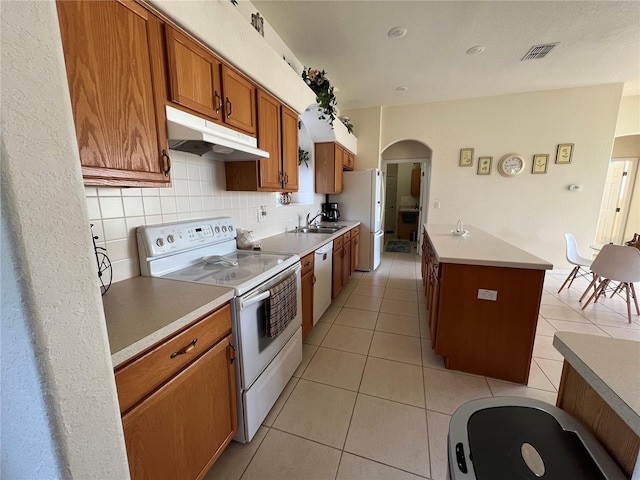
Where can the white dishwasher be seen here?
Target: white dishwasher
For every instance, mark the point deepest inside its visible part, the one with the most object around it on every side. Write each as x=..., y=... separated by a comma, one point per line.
x=322, y=285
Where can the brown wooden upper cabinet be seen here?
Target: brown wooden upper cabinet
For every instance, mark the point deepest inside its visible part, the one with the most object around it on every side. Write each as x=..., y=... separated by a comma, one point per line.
x=278, y=135
x=200, y=81
x=348, y=160
x=194, y=74
x=415, y=182
x=113, y=56
x=330, y=161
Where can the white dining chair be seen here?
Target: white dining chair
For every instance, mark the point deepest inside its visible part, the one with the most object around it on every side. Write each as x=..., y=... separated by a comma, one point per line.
x=616, y=263
x=581, y=264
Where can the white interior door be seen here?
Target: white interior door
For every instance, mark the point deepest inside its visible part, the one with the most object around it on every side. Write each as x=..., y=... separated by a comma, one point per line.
x=615, y=202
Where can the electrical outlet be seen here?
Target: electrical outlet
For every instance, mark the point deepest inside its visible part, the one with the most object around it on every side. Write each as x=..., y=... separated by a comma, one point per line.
x=487, y=294
x=262, y=213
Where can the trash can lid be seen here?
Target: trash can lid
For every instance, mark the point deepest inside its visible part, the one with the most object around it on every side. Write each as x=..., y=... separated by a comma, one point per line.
x=515, y=442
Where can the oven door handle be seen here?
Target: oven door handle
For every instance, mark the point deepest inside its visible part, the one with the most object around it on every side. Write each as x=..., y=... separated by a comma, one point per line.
x=259, y=296
x=254, y=299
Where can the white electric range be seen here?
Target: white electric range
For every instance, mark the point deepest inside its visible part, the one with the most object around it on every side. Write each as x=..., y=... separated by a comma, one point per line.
x=204, y=251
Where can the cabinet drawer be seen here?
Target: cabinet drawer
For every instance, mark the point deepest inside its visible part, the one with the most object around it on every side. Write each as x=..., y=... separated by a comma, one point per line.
x=141, y=376
x=346, y=237
x=355, y=232
x=307, y=264
x=337, y=242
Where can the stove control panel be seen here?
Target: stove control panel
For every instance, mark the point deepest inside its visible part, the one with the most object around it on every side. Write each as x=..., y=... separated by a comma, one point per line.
x=171, y=238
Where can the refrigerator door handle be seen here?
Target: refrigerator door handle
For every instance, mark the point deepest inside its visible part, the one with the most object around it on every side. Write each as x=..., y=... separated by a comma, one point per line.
x=379, y=233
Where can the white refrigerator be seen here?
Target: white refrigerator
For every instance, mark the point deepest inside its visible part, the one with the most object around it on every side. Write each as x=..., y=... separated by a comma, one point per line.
x=362, y=199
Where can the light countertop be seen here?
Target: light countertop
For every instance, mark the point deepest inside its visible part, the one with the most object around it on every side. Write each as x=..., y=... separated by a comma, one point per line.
x=303, y=243
x=480, y=248
x=611, y=366
x=142, y=311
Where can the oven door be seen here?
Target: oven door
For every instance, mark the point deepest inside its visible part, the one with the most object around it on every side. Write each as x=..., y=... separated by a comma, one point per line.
x=256, y=350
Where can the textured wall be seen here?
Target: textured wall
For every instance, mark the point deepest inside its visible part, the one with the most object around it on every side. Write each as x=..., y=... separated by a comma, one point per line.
x=58, y=302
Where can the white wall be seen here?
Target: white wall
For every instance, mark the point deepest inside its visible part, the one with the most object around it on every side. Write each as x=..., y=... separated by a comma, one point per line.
x=531, y=211
x=57, y=373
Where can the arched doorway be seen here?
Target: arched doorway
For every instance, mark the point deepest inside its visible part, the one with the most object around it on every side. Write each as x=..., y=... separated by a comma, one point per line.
x=406, y=166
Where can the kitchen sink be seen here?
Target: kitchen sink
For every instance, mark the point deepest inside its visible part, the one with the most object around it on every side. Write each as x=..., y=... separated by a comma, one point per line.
x=319, y=229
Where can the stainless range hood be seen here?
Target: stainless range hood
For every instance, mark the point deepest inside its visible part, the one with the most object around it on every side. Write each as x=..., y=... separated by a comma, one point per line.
x=188, y=133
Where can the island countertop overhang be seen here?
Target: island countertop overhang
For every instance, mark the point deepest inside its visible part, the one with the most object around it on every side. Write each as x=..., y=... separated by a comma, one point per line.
x=480, y=248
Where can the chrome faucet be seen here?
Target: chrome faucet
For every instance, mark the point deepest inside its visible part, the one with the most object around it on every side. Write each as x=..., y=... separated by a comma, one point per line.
x=309, y=222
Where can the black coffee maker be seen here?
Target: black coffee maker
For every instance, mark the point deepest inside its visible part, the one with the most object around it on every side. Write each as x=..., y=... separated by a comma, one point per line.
x=330, y=212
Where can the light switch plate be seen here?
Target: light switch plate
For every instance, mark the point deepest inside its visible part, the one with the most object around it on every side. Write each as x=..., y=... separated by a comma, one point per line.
x=487, y=294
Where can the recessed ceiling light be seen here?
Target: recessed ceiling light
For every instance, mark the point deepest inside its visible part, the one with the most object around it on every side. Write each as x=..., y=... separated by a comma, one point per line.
x=402, y=89
x=397, y=32
x=476, y=50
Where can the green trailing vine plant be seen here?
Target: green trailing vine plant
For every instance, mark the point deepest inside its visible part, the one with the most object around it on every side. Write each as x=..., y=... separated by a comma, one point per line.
x=347, y=123
x=318, y=82
x=303, y=156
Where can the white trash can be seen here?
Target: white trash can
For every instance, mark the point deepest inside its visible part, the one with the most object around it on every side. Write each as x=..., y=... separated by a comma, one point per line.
x=509, y=438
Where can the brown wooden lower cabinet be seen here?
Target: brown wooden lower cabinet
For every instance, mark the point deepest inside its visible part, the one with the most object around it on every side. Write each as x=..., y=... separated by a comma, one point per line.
x=582, y=402
x=307, y=293
x=179, y=428
x=355, y=248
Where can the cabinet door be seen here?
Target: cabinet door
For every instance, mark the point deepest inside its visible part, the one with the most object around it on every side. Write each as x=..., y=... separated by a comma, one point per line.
x=239, y=101
x=328, y=167
x=290, y=149
x=346, y=262
x=337, y=178
x=336, y=271
x=180, y=429
x=307, y=303
x=415, y=182
x=113, y=56
x=269, y=134
x=433, y=313
x=355, y=252
x=194, y=74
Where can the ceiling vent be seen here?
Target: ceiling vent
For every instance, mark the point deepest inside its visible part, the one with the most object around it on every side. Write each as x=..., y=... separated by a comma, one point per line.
x=539, y=51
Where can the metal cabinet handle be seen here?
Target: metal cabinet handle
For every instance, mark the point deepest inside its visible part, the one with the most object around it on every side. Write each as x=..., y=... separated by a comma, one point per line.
x=232, y=353
x=218, y=99
x=307, y=264
x=186, y=349
x=167, y=162
x=229, y=107
x=286, y=178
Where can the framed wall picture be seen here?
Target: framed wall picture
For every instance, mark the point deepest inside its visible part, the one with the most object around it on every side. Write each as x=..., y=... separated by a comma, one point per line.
x=540, y=163
x=564, y=153
x=466, y=157
x=484, y=165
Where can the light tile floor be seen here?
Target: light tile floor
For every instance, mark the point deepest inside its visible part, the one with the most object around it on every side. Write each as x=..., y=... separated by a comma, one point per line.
x=371, y=400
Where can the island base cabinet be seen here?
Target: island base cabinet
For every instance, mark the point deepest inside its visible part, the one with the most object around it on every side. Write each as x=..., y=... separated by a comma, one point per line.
x=183, y=427
x=486, y=337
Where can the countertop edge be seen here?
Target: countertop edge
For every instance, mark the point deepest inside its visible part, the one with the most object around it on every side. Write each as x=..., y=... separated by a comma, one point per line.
x=127, y=353
x=323, y=239
x=496, y=263
x=618, y=405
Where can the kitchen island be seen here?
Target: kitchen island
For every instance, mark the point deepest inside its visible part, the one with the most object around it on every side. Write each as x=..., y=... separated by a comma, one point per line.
x=483, y=298
x=600, y=387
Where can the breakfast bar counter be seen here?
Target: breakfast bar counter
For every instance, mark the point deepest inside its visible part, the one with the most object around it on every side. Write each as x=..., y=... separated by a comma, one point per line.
x=600, y=387
x=483, y=298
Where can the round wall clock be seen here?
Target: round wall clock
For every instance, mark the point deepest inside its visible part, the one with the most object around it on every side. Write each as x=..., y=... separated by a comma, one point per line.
x=511, y=164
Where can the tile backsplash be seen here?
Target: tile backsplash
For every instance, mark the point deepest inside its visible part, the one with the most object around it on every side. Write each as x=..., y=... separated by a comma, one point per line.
x=197, y=191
